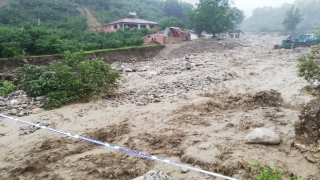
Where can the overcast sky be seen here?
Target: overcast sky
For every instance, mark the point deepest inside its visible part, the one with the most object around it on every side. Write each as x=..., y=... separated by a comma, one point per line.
x=248, y=5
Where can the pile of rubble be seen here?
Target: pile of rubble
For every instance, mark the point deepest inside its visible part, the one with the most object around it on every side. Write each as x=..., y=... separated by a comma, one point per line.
x=19, y=104
x=187, y=76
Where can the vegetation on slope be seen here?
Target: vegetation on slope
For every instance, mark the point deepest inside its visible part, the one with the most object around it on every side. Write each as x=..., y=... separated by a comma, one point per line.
x=72, y=78
x=51, y=27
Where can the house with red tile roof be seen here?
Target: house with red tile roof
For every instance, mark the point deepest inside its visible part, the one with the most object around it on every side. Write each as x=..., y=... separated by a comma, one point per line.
x=129, y=22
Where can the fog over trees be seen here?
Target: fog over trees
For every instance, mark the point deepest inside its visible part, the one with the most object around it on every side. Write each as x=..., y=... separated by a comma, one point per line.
x=269, y=19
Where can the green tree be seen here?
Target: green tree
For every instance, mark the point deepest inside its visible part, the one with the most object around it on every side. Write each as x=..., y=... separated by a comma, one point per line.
x=173, y=8
x=212, y=16
x=292, y=19
x=170, y=21
x=239, y=15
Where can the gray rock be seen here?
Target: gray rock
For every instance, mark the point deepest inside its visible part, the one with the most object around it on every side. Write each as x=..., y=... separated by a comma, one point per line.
x=140, y=104
x=262, y=136
x=184, y=170
x=20, y=114
x=40, y=98
x=153, y=73
x=13, y=111
x=14, y=102
x=153, y=175
x=128, y=70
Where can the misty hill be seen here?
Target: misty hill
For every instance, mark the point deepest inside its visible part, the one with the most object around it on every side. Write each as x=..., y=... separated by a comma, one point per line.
x=69, y=13
x=47, y=13
x=269, y=19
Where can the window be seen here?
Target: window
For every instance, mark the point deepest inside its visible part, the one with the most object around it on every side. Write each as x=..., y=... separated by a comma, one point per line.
x=115, y=26
x=148, y=36
x=143, y=26
x=151, y=26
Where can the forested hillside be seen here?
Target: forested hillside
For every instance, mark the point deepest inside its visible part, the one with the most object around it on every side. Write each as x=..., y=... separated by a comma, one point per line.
x=36, y=27
x=269, y=19
x=66, y=13
x=109, y=10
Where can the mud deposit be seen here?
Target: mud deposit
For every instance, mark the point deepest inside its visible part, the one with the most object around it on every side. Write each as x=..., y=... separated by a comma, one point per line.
x=242, y=88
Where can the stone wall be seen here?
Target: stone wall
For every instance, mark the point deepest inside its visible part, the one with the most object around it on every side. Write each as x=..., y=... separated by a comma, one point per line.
x=110, y=56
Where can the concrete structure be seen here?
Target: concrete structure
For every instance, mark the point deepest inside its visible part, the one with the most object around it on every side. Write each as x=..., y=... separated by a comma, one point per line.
x=235, y=34
x=169, y=35
x=131, y=22
x=221, y=36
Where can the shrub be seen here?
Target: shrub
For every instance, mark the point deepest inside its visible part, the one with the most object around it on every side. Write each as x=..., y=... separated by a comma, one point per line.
x=6, y=87
x=270, y=173
x=69, y=79
x=309, y=65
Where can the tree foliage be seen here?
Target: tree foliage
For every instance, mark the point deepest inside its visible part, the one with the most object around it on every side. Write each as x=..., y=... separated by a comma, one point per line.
x=110, y=10
x=15, y=42
x=38, y=27
x=212, y=16
x=239, y=15
x=292, y=19
x=6, y=87
x=69, y=79
x=171, y=21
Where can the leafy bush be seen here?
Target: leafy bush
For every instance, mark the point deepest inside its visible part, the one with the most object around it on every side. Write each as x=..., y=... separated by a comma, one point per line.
x=15, y=42
x=6, y=87
x=69, y=79
x=269, y=173
x=309, y=66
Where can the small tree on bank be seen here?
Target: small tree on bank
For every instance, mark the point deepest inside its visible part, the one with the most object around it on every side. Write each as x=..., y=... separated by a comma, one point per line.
x=292, y=19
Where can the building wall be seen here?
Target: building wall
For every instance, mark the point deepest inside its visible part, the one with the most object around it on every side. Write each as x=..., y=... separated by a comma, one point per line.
x=235, y=35
x=155, y=37
x=110, y=28
x=173, y=39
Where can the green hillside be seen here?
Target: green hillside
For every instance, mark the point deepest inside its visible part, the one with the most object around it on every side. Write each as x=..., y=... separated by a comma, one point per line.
x=110, y=10
x=37, y=27
x=66, y=14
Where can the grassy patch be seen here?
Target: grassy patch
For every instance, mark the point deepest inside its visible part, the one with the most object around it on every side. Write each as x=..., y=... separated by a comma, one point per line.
x=263, y=172
x=88, y=52
x=122, y=48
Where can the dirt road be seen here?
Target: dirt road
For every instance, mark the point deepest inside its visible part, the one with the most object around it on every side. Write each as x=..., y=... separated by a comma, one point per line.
x=200, y=116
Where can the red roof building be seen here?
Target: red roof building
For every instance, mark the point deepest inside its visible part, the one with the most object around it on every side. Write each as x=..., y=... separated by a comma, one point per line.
x=131, y=22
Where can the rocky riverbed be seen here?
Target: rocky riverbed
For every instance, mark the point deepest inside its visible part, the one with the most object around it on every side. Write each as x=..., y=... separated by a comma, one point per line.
x=200, y=112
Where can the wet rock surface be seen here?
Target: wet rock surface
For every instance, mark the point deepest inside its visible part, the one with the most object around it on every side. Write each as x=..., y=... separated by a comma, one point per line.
x=307, y=131
x=19, y=104
x=262, y=136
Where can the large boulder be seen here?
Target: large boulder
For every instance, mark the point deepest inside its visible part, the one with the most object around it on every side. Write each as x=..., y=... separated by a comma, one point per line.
x=262, y=136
